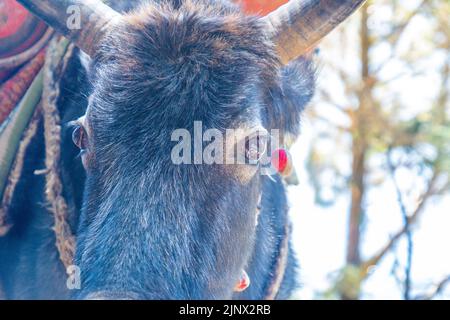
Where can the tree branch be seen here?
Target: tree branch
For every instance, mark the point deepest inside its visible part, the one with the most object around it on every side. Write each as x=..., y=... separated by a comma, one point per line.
x=437, y=289
x=397, y=33
x=407, y=282
x=411, y=219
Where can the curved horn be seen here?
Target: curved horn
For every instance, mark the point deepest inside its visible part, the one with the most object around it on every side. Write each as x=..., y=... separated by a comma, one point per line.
x=82, y=21
x=300, y=24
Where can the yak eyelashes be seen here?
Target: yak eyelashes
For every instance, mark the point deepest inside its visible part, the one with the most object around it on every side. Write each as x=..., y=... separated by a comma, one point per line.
x=79, y=137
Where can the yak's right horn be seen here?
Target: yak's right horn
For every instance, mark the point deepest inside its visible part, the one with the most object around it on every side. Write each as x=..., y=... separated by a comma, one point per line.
x=299, y=24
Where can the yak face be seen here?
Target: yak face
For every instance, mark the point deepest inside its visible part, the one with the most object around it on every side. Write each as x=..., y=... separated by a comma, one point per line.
x=151, y=228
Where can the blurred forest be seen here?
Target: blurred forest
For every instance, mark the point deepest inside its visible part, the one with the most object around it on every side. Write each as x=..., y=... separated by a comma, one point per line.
x=379, y=142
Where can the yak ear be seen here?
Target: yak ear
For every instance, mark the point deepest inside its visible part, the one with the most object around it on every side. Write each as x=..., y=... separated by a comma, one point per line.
x=295, y=90
x=85, y=60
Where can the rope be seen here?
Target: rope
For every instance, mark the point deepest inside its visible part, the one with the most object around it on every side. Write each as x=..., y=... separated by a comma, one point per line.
x=58, y=54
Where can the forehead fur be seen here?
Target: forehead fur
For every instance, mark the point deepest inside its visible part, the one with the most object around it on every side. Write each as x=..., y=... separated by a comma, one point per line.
x=171, y=66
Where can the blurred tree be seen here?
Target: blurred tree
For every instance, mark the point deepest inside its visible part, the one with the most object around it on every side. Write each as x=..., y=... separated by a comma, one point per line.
x=365, y=108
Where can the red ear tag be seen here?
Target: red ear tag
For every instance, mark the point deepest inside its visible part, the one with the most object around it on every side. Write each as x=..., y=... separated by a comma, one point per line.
x=244, y=282
x=282, y=162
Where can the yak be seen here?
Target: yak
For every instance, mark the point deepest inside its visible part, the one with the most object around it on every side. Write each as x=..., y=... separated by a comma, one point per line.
x=145, y=227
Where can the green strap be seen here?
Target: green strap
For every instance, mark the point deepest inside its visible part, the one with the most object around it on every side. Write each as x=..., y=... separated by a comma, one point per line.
x=12, y=129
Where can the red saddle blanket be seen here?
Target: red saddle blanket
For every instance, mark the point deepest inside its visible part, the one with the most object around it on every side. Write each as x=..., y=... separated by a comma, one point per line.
x=20, y=31
x=22, y=53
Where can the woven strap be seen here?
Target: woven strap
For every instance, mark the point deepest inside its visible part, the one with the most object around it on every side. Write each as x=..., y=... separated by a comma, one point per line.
x=13, y=90
x=11, y=131
x=58, y=56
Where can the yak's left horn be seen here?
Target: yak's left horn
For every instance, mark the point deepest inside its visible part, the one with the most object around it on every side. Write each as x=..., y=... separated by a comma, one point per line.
x=299, y=24
x=84, y=22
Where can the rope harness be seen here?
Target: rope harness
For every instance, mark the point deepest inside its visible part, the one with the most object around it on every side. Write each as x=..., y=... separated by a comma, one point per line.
x=58, y=55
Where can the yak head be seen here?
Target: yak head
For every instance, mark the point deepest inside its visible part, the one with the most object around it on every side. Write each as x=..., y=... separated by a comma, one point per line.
x=181, y=92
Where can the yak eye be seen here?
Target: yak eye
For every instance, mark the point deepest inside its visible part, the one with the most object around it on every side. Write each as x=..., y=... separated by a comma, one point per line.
x=255, y=147
x=79, y=137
